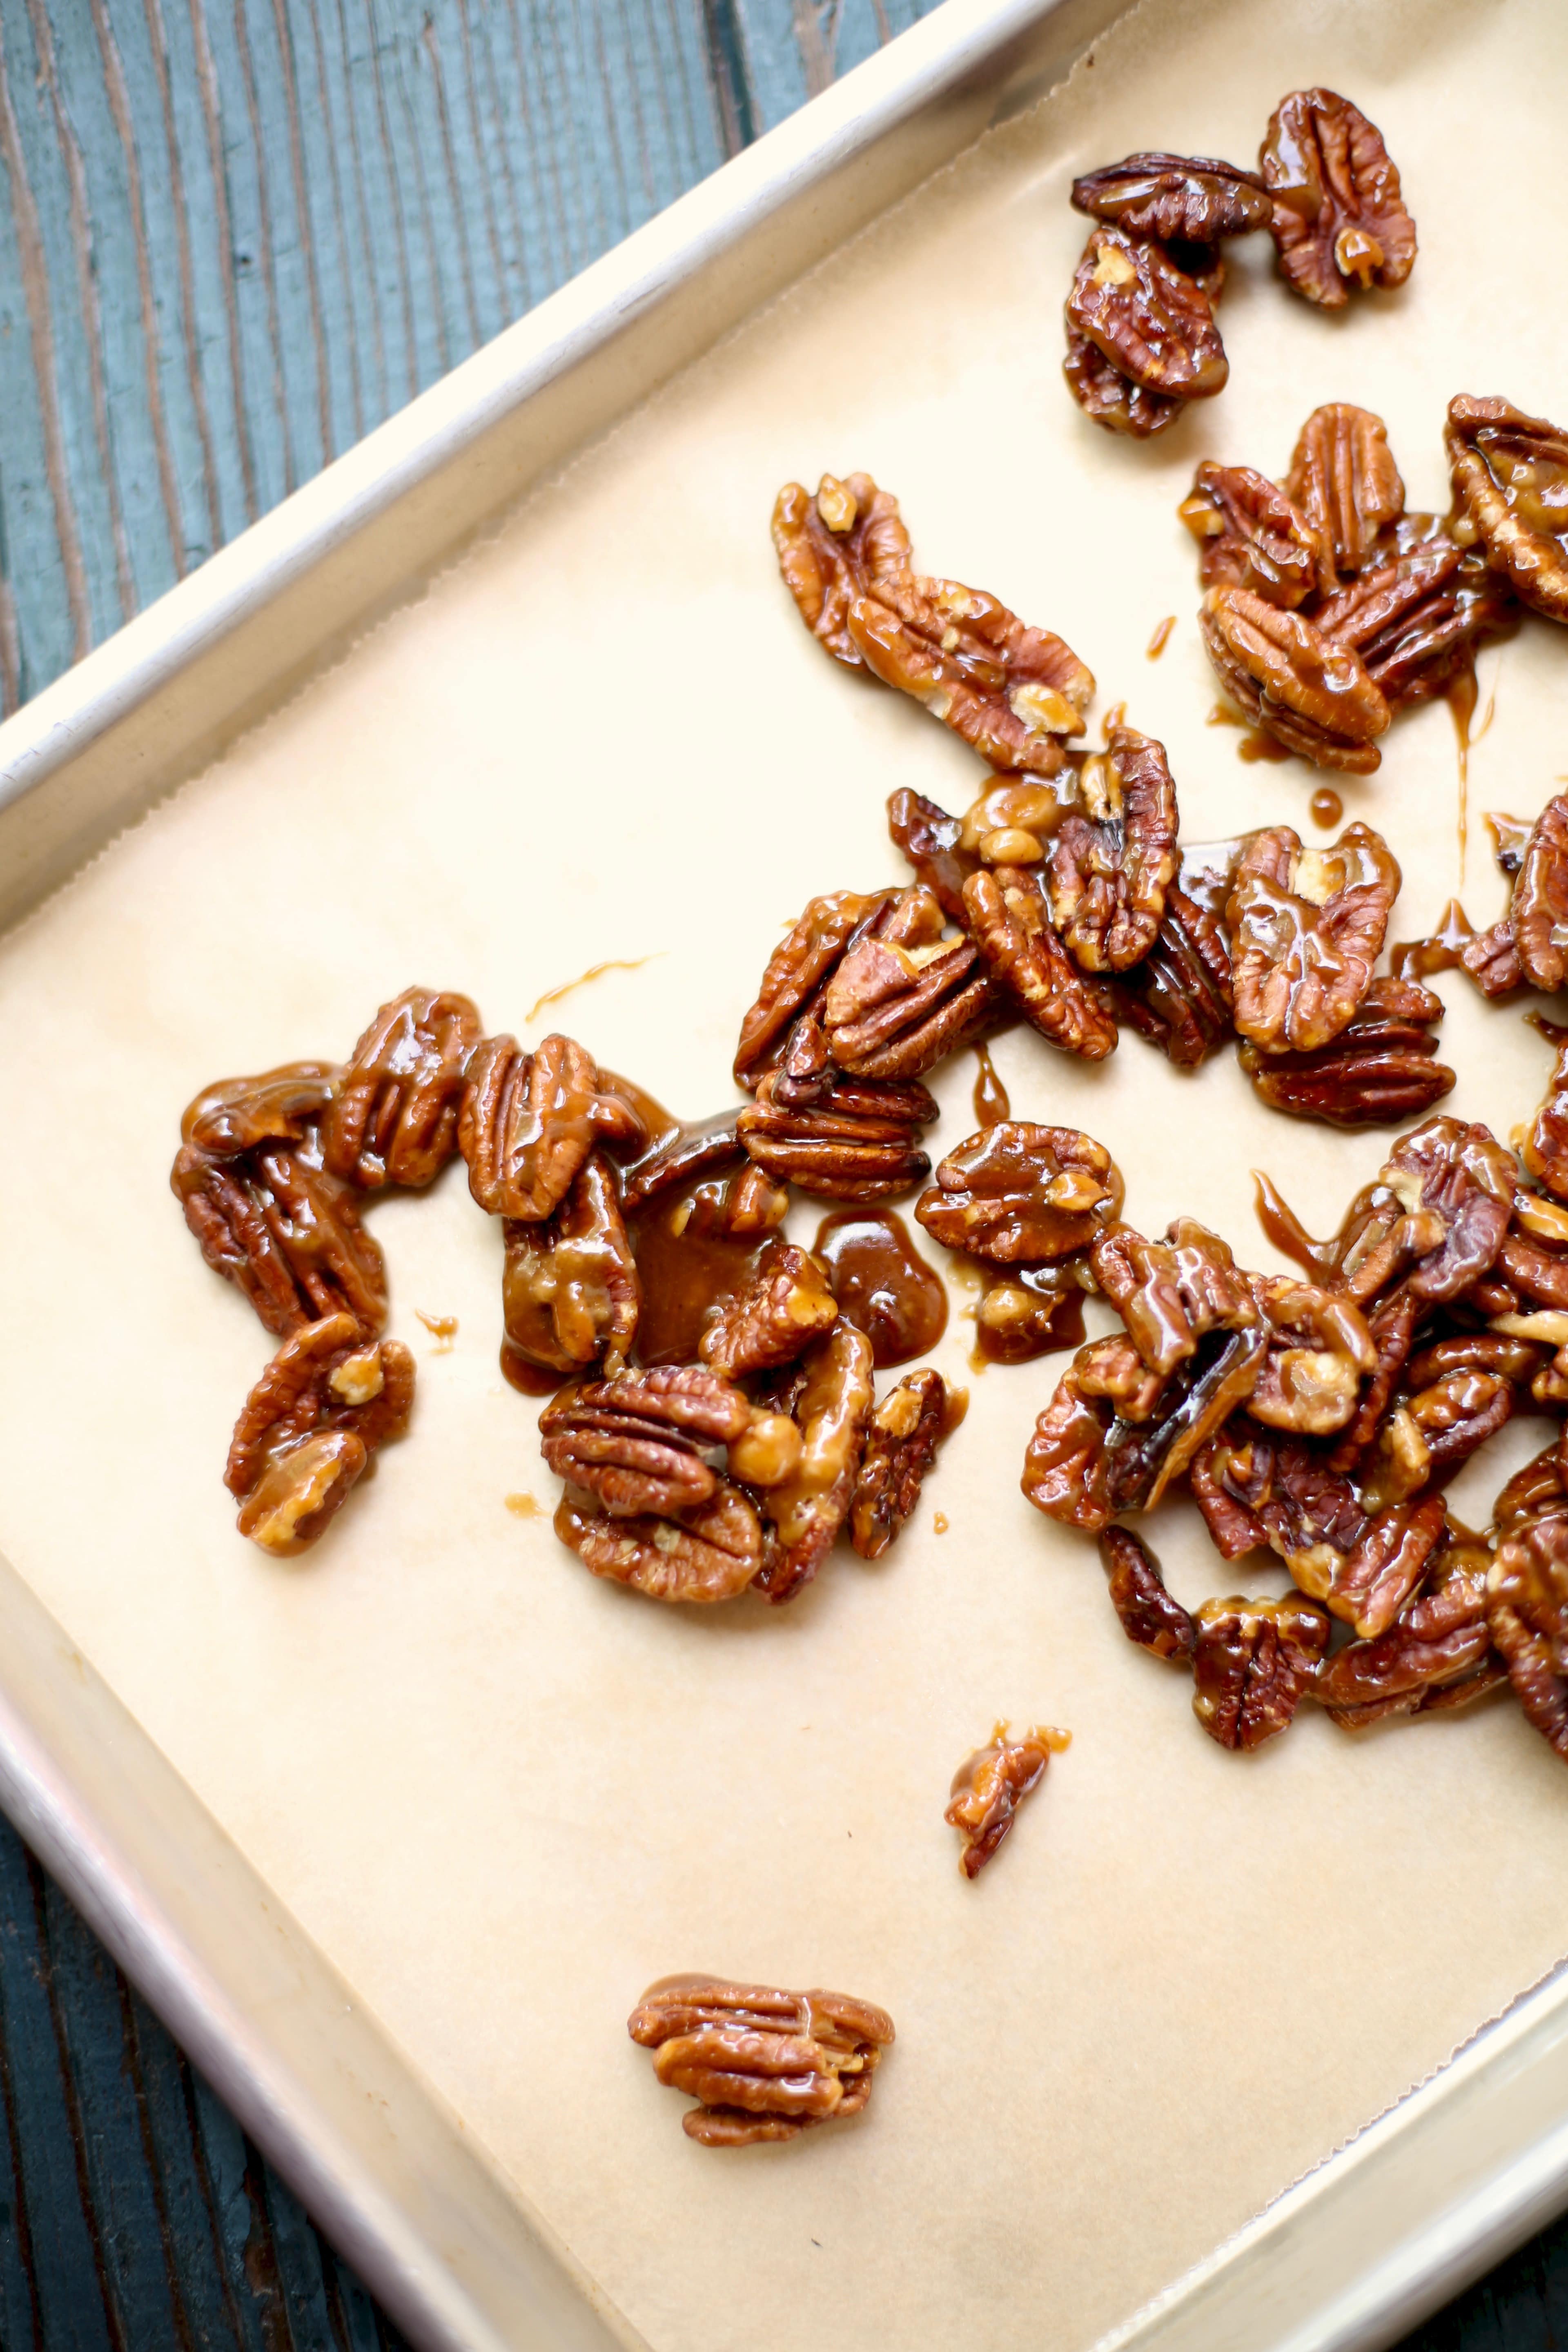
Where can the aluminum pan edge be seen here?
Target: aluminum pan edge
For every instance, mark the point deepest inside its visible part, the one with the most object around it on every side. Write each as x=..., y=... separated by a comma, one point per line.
x=162, y=696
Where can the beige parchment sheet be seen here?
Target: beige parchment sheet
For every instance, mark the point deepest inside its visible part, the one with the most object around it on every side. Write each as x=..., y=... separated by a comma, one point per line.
x=503, y=1795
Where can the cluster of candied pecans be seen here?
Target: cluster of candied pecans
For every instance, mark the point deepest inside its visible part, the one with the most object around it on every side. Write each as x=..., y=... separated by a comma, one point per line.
x=1140, y=331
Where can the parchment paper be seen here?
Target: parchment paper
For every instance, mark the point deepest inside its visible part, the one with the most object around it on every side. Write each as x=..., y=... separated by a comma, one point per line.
x=503, y=1795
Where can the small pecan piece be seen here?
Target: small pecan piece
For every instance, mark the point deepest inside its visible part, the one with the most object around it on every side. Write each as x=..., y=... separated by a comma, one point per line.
x=1013, y=929
x=1510, y=476
x=1109, y=871
x=530, y=1120
x=1344, y=482
x=1417, y=618
x=1252, y=1664
x=806, y=1511
x=1196, y=198
x=709, y=1552
x=1545, y=1150
x=1307, y=690
x=858, y=1142
x=330, y=1398
x=633, y=1442
x=1019, y=1194
x=1320, y=1349
x=1339, y=219
x=1152, y=323
x=783, y=1307
x=1180, y=997
x=394, y=1118
x=1369, y=1584
x=989, y=1787
x=901, y=1443
x=764, y=2064
x=1250, y=535
x=931, y=841
x=1380, y=1070
x=1011, y=692
x=286, y=1234
x=1111, y=399
x=1150, y=1615
x=571, y=1294
x=239, y=1115
x=1307, y=926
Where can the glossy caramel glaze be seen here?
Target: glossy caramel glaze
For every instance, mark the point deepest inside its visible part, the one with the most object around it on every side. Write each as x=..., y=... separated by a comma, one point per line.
x=1439, y=952
x=687, y=1266
x=1326, y=806
x=1161, y=639
x=1025, y=1313
x=990, y=1103
x=528, y=1379
x=883, y=1283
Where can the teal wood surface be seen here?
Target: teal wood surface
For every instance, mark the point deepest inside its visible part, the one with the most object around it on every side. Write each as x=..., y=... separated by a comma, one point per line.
x=233, y=236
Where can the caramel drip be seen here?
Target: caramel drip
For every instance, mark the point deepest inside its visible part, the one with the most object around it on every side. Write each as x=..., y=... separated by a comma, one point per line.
x=1326, y=806
x=883, y=1283
x=610, y=963
x=443, y=1329
x=1439, y=952
x=687, y=1269
x=1461, y=701
x=1161, y=639
x=1255, y=745
x=990, y=1103
x=528, y=1379
x=1284, y=1229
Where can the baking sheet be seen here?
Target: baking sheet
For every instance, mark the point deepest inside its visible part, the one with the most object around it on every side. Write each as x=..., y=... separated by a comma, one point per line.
x=503, y=1797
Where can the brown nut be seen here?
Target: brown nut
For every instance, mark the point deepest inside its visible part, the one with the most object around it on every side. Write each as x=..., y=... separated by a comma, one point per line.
x=901, y=1441
x=1250, y=535
x=1545, y=1150
x=633, y=1442
x=1509, y=472
x=1343, y=480
x=1194, y=198
x=933, y=841
x=1309, y=691
x=530, y=1120
x=328, y=1400
x=989, y=1787
x=1319, y=1350
x=1012, y=927
x=794, y=982
x=1369, y=1584
x=709, y=1553
x=1436, y=1217
x=806, y=1511
x=785, y=1305
x=1307, y=926
x=1152, y=323
x=1150, y=1615
x=1109, y=872
x=284, y=1233
x=393, y=1117
x=1180, y=997
x=1252, y=1664
x=856, y=1142
x=237, y=1116
x=764, y=2064
x=571, y=1294
x=894, y=1010
x=1019, y=1194
x=1438, y=1643
x=1338, y=218
x=1170, y=1294
x=1111, y=399
x=1381, y=1069
x=1538, y=911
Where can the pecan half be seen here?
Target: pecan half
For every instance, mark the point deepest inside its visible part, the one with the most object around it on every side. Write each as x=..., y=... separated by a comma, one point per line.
x=1532, y=1661
x=931, y=840
x=1194, y=197
x=239, y=1115
x=1545, y=1150
x=1249, y=535
x=894, y=1008
x=807, y=1510
x=1180, y=997
x=794, y=982
x=284, y=1233
x=1252, y=1664
x=1381, y=1069
x=1309, y=691
x=1492, y=962
x=1109, y=872
x=1438, y=1643
x=1538, y=910
x=763, y=2064
x=709, y=1552
x=1527, y=1608
x=1417, y=618
x=1150, y=1615
x=1254, y=1489
x=1111, y=399
x=783, y=1307
x=393, y=1118
x=633, y=1442
x=1170, y=1294
x=1368, y=1584
x=989, y=1787
x=902, y=1443
x=1436, y=1217
x=530, y=1120
x=856, y=1142
x=1307, y=926
x=1343, y=480
x=1432, y=1429
x=570, y=1292
x=1019, y=1194
x=1009, y=691
x=1510, y=475
x=1152, y=323
x=330, y=1398
x=1320, y=1349
x=1339, y=220
x=1013, y=929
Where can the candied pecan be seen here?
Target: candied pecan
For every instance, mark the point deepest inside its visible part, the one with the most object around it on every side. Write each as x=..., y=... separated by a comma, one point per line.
x=394, y=1118
x=1381, y=1069
x=1170, y=1294
x=1249, y=535
x=1538, y=911
x=1018, y=1194
x=1010, y=821
x=1369, y=1584
x=1417, y=617
x=1509, y=471
x=1009, y=691
x=1492, y=960
x=1338, y=216
x=570, y=1291
x=1309, y=691
x=989, y=1787
x=1526, y=1607
x=1434, y=1428
x=239, y=1115
x=763, y=2064
x=1109, y=872
x=806, y=1511
x=707, y=1553
x=1111, y=399
x=1012, y=927
x=1344, y=480
x=1545, y=1150
x=330, y=1398
x=1194, y=197
x=1319, y=1349
x=902, y=1443
x=1150, y=1615
x=1252, y=1662
x=1180, y=997
x=1306, y=926
x=1440, y=1642
x=931, y=840
x=1253, y=1490
x=1031, y=1311
x=1534, y=1670
x=894, y=1010
x=857, y=1143
x=797, y=971
x=1152, y=323
x=284, y=1233
x=679, y=1158
x=1436, y=1215
x=633, y=1442
x=783, y=1307
x=530, y=1120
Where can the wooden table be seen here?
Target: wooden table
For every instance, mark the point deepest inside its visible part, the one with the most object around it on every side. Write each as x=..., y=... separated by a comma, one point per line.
x=233, y=236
